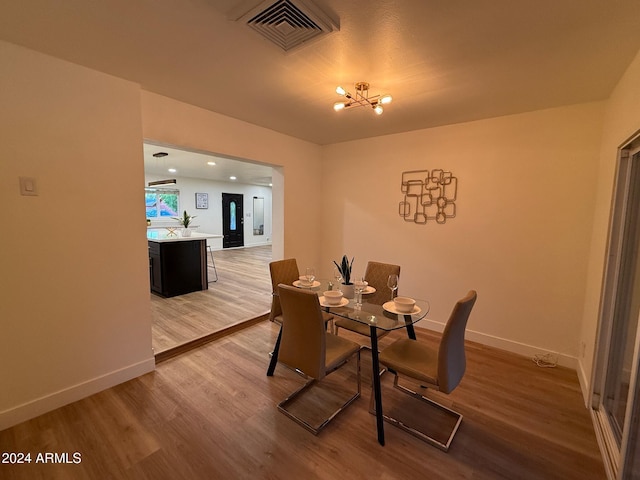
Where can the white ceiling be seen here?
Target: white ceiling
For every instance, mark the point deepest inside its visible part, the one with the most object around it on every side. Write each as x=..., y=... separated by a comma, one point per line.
x=443, y=61
x=196, y=165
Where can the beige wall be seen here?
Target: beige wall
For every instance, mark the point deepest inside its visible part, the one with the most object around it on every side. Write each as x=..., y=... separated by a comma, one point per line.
x=74, y=315
x=521, y=234
x=622, y=120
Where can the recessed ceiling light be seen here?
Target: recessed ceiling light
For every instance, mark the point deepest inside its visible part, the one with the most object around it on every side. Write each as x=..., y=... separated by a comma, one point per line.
x=232, y=178
x=271, y=184
x=172, y=170
x=211, y=163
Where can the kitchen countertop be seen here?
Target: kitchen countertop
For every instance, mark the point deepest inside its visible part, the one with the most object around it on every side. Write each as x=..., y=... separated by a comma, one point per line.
x=165, y=236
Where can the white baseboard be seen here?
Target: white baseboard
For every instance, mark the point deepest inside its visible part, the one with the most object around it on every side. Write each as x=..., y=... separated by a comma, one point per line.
x=505, y=344
x=47, y=403
x=584, y=384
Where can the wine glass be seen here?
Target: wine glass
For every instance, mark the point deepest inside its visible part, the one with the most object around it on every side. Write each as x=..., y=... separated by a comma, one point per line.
x=311, y=275
x=337, y=275
x=358, y=287
x=392, y=283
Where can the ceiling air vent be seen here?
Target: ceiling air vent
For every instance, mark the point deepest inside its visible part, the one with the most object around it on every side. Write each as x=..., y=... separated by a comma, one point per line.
x=287, y=23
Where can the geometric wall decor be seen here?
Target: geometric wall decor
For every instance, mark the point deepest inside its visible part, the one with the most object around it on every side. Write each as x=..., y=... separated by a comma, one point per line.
x=428, y=196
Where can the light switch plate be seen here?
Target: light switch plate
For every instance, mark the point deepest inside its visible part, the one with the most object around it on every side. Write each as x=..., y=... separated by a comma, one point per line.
x=28, y=186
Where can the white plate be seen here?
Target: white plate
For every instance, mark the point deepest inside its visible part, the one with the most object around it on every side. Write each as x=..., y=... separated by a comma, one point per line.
x=343, y=302
x=391, y=308
x=368, y=290
x=299, y=284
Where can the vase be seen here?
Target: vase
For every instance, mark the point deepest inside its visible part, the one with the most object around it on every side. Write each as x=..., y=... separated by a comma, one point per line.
x=186, y=232
x=347, y=290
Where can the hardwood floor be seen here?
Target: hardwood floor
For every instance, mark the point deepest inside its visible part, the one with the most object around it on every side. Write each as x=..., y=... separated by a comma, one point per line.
x=211, y=413
x=242, y=292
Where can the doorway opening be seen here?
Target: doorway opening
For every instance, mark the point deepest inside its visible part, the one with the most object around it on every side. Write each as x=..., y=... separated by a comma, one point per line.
x=241, y=255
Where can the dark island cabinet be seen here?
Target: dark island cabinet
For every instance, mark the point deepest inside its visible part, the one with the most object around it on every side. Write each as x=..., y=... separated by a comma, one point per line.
x=176, y=268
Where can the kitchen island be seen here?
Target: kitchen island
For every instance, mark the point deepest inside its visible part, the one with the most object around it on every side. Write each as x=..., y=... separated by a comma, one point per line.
x=177, y=264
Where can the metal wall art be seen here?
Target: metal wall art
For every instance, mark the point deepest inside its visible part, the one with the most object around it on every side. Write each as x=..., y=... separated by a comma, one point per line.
x=428, y=196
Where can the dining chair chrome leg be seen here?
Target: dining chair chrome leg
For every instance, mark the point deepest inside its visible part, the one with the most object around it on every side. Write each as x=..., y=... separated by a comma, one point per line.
x=413, y=431
x=301, y=421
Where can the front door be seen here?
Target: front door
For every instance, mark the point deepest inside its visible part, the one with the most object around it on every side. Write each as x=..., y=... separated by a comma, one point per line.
x=232, y=220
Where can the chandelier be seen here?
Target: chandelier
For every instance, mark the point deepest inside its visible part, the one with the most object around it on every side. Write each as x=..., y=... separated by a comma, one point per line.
x=361, y=99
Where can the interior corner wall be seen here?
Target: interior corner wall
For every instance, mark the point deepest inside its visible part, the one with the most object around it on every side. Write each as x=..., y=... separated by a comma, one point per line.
x=621, y=121
x=520, y=235
x=75, y=314
x=296, y=229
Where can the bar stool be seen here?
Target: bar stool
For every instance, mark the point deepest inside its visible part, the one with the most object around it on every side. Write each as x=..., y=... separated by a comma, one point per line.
x=214, y=264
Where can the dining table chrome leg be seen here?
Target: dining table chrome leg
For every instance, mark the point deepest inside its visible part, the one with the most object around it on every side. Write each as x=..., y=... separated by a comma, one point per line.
x=376, y=384
x=274, y=355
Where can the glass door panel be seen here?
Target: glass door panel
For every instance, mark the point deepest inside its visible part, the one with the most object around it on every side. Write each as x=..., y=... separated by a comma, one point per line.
x=616, y=385
x=625, y=312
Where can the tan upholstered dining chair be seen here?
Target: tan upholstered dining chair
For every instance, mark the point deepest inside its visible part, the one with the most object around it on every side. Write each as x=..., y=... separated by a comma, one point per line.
x=308, y=348
x=282, y=271
x=376, y=275
x=440, y=369
x=286, y=272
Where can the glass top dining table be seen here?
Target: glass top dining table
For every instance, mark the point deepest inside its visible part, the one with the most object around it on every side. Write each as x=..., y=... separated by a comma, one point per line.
x=383, y=317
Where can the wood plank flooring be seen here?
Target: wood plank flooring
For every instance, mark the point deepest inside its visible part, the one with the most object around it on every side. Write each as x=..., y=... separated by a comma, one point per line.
x=242, y=292
x=211, y=413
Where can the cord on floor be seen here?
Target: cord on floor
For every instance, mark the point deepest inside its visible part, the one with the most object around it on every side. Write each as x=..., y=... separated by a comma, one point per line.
x=545, y=360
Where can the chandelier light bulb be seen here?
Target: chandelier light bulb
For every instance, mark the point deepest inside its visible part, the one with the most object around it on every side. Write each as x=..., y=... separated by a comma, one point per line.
x=385, y=99
x=340, y=90
x=338, y=106
x=378, y=109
